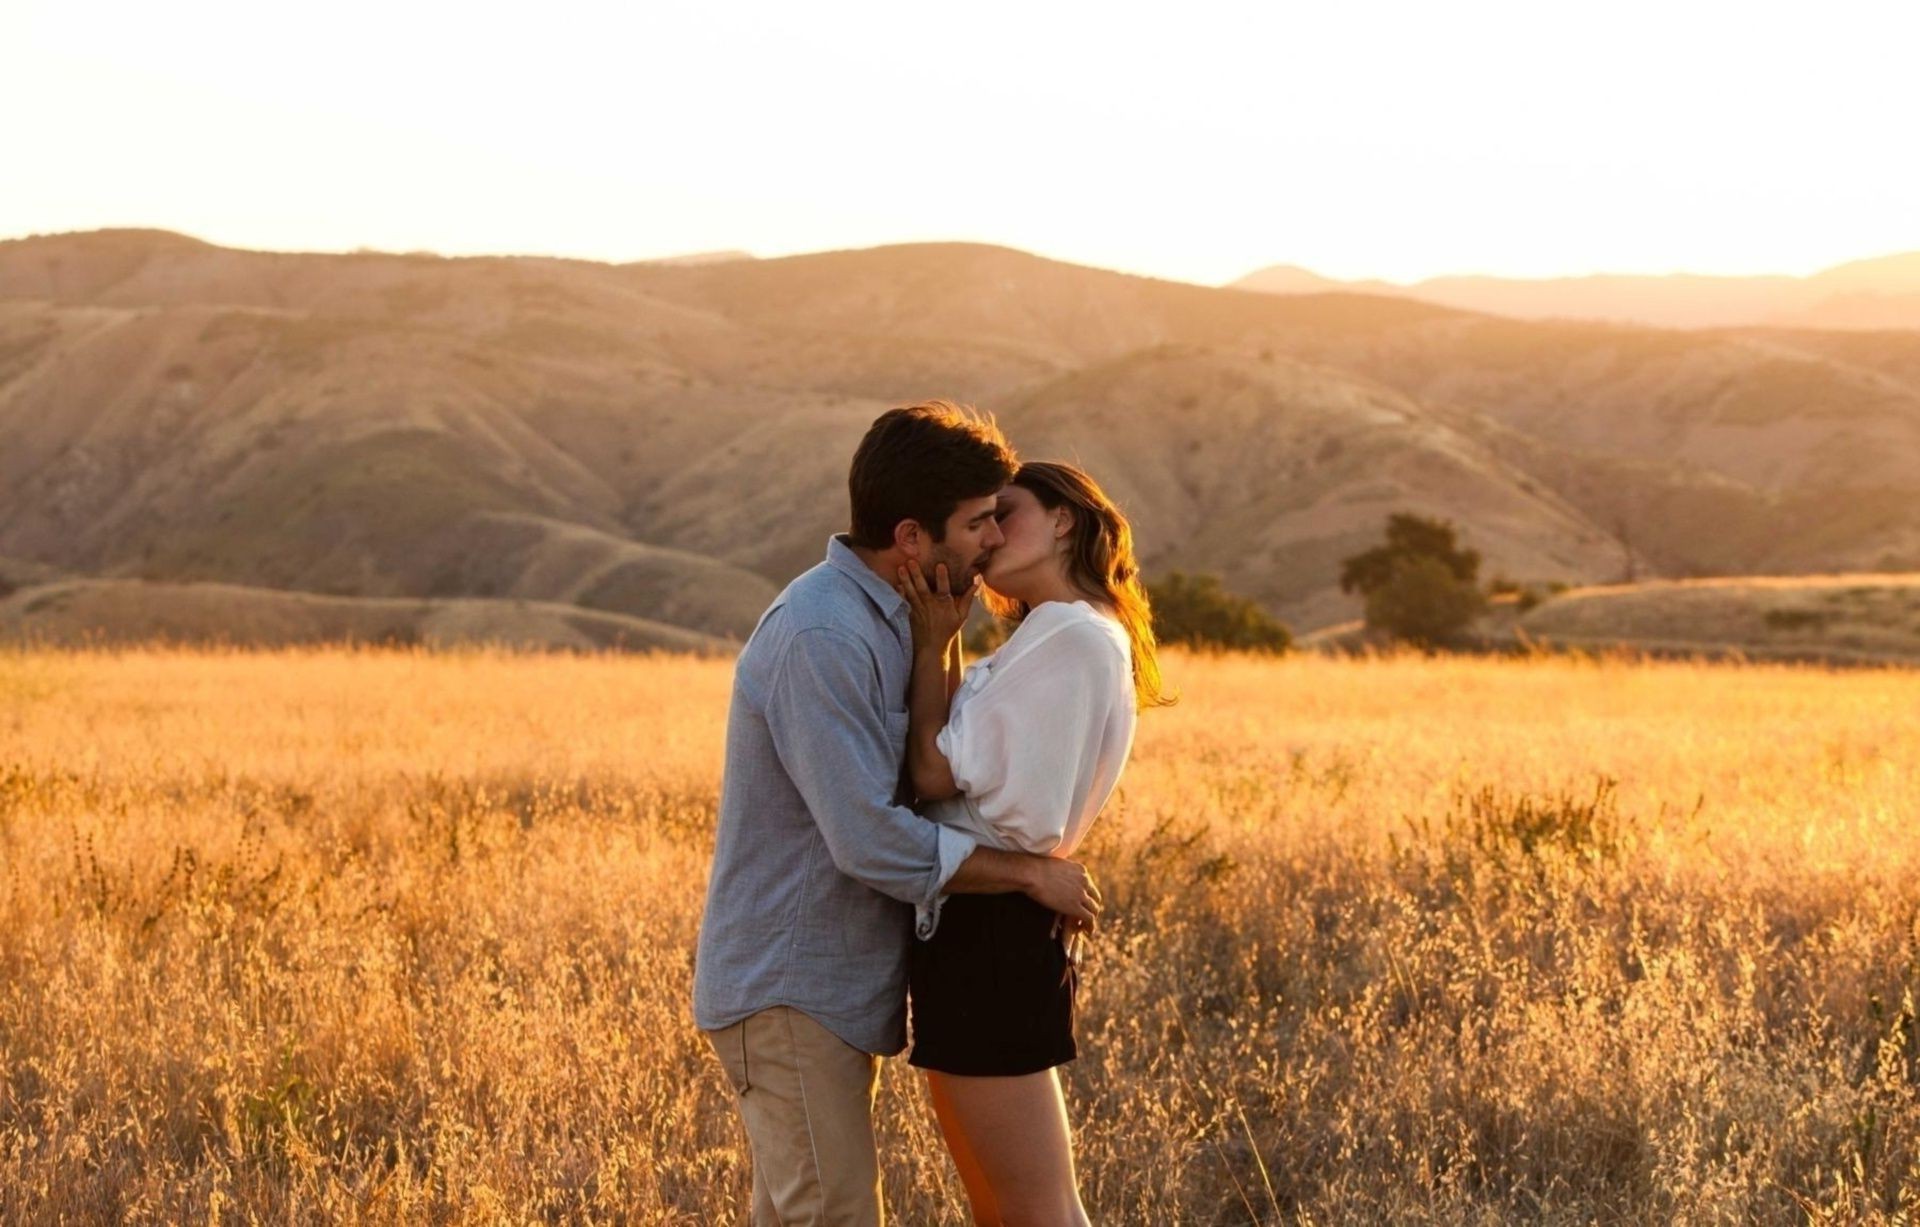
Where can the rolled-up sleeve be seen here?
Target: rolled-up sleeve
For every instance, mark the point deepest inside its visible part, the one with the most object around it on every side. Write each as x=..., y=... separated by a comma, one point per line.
x=825, y=716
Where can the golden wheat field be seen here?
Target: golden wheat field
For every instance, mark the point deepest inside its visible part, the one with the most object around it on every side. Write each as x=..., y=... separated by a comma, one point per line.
x=395, y=937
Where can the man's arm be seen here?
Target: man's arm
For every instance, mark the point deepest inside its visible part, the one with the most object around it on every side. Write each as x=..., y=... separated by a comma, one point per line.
x=1054, y=882
x=823, y=711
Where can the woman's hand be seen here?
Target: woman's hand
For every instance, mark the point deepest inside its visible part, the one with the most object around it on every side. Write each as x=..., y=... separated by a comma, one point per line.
x=937, y=616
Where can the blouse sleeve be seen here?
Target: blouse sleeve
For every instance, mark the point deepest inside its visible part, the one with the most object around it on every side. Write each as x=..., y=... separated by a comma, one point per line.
x=1025, y=748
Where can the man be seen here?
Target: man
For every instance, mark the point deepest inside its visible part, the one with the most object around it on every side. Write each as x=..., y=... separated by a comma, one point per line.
x=800, y=977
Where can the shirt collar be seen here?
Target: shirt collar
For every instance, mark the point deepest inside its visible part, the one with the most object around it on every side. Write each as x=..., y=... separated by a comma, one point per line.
x=840, y=556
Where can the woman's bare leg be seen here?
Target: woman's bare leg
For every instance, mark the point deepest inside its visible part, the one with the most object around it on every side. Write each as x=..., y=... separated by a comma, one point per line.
x=979, y=1193
x=1015, y=1132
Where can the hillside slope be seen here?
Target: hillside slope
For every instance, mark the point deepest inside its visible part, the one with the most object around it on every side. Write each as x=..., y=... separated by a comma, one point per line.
x=669, y=441
x=79, y=612
x=1879, y=293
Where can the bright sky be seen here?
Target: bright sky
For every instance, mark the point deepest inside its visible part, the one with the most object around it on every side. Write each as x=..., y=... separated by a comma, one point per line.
x=1196, y=141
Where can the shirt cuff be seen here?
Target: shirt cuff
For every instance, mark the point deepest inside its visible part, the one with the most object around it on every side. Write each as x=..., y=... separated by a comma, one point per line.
x=952, y=848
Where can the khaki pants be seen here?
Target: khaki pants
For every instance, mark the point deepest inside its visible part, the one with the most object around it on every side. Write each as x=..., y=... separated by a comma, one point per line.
x=806, y=1096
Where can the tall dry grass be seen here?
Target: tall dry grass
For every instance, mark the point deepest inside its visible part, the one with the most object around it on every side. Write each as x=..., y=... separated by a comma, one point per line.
x=391, y=937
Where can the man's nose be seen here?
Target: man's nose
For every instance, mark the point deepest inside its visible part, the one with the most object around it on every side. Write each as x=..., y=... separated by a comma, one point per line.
x=993, y=539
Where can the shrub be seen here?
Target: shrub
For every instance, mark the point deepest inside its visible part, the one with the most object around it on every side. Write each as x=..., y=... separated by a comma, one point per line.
x=1198, y=611
x=1194, y=610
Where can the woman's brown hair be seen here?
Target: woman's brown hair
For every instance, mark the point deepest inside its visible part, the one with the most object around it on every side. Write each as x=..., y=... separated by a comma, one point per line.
x=1100, y=564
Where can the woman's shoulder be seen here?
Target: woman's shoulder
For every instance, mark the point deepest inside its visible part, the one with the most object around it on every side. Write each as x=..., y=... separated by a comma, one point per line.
x=1071, y=623
x=1065, y=613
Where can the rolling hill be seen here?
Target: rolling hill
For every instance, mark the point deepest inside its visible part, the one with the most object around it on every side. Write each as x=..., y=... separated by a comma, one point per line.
x=1870, y=619
x=667, y=442
x=108, y=611
x=1875, y=294
x=1829, y=617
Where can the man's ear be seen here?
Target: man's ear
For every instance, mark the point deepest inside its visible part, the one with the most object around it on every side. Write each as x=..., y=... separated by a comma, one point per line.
x=909, y=538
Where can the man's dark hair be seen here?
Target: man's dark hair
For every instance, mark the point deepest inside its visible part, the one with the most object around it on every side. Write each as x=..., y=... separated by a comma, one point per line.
x=918, y=462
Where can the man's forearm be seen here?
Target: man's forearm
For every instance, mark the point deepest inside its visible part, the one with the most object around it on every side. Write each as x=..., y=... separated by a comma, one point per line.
x=1061, y=885
x=991, y=871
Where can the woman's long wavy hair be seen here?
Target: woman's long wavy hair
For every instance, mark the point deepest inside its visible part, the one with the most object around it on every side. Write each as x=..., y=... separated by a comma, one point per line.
x=1100, y=564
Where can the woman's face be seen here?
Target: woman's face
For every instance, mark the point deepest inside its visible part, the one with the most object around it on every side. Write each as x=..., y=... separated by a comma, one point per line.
x=1031, y=534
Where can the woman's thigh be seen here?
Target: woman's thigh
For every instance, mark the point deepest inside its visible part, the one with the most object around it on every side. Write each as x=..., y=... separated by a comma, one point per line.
x=1017, y=1136
x=986, y=1211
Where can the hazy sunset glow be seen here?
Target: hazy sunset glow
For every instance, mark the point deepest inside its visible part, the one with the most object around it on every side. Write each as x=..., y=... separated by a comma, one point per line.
x=1360, y=140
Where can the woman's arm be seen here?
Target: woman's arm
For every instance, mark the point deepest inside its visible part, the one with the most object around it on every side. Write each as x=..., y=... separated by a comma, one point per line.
x=956, y=669
x=928, y=699
x=936, y=618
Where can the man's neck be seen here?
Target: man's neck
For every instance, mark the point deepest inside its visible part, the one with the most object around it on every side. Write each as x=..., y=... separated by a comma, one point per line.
x=884, y=563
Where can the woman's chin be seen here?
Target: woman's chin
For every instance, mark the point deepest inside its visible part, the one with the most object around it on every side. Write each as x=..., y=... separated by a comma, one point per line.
x=998, y=590
x=1000, y=579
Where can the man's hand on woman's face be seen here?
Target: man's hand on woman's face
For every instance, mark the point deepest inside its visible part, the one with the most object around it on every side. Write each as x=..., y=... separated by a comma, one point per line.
x=935, y=612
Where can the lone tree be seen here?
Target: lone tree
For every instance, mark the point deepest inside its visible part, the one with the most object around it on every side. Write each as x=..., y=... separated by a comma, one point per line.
x=1422, y=585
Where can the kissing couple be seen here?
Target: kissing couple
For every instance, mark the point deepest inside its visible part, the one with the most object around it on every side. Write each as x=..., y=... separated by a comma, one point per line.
x=892, y=824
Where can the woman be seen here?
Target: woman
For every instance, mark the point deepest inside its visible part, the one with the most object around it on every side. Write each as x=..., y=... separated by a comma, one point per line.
x=1021, y=755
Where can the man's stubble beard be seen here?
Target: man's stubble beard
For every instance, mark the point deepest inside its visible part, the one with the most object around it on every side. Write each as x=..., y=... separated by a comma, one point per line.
x=960, y=572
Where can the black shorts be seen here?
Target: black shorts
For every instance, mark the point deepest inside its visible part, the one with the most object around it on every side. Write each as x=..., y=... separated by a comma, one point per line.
x=992, y=990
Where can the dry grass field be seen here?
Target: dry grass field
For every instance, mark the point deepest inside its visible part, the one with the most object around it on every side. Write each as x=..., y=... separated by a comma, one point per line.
x=324, y=935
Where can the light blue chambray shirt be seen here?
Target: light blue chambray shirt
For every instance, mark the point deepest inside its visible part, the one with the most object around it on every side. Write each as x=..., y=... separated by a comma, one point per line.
x=817, y=866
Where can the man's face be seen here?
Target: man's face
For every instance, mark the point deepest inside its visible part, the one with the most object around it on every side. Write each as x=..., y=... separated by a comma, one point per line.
x=972, y=536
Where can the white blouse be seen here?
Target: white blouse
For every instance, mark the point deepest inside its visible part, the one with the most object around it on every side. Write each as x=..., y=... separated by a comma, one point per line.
x=1038, y=732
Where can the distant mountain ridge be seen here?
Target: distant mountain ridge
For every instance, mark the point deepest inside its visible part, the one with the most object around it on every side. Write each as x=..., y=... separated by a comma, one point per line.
x=667, y=442
x=1878, y=293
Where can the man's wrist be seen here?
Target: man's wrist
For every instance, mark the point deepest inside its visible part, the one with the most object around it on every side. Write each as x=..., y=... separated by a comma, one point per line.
x=990, y=870
x=1025, y=872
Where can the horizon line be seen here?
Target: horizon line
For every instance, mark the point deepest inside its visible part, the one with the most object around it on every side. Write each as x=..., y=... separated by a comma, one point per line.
x=741, y=252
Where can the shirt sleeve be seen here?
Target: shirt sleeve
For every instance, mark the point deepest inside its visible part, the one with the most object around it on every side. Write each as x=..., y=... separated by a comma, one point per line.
x=1025, y=748
x=824, y=713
